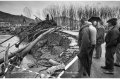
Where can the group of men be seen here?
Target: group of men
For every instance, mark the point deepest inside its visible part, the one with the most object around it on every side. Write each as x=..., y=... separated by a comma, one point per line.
x=92, y=36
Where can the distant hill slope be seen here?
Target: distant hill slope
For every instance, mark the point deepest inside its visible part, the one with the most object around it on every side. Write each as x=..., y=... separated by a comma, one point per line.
x=6, y=17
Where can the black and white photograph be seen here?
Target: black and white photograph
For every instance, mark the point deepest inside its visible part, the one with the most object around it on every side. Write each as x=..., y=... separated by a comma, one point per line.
x=59, y=39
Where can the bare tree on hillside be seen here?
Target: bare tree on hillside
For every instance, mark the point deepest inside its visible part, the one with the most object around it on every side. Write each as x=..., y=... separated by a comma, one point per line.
x=27, y=12
x=64, y=15
x=72, y=16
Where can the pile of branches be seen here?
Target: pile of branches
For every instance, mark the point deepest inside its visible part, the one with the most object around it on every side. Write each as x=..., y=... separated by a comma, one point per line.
x=36, y=30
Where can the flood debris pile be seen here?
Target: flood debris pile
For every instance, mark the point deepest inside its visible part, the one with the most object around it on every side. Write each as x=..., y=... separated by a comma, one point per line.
x=35, y=30
x=47, y=58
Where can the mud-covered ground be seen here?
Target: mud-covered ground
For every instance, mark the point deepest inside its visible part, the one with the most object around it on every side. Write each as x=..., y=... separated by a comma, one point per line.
x=45, y=54
x=96, y=71
x=56, y=46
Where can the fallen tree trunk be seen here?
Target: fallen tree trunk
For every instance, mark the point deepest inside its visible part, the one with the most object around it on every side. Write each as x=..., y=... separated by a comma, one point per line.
x=27, y=48
x=25, y=51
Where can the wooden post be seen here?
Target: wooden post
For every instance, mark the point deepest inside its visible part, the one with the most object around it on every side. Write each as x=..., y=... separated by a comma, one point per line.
x=6, y=60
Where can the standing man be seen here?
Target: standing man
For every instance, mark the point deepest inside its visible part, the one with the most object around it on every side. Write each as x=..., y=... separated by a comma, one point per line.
x=100, y=39
x=97, y=23
x=111, y=44
x=117, y=62
x=86, y=42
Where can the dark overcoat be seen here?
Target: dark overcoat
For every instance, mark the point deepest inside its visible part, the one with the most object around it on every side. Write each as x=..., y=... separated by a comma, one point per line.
x=111, y=37
x=100, y=36
x=85, y=48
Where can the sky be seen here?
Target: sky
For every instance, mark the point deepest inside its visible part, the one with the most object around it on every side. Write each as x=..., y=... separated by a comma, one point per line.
x=17, y=7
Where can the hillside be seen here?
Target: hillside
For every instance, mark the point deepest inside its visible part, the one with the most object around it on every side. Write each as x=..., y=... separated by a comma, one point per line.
x=6, y=17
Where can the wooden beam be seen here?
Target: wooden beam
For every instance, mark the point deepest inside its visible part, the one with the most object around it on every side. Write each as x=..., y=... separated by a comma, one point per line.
x=6, y=60
x=6, y=56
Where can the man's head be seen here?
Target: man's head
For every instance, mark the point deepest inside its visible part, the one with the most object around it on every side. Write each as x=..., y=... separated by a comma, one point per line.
x=94, y=20
x=83, y=20
x=112, y=22
x=95, y=23
x=100, y=24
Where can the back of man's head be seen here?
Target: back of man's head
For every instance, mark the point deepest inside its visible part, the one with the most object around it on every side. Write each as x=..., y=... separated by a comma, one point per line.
x=83, y=20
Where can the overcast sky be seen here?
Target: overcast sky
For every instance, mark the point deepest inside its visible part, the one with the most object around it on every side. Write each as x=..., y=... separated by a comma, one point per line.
x=16, y=7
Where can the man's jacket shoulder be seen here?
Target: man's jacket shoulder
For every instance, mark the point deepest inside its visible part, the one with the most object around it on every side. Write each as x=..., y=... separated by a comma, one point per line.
x=85, y=26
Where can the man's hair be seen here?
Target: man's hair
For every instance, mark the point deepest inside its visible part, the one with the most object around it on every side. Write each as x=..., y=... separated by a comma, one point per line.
x=83, y=19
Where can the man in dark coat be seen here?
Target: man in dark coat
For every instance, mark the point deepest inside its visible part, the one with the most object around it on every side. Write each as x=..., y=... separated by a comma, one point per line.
x=86, y=42
x=117, y=62
x=111, y=44
x=100, y=39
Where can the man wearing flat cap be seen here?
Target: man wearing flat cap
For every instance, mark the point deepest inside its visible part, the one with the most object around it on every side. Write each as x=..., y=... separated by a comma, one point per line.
x=111, y=44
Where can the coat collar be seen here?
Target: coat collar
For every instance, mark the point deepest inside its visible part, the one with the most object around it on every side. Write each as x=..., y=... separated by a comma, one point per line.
x=85, y=25
x=113, y=27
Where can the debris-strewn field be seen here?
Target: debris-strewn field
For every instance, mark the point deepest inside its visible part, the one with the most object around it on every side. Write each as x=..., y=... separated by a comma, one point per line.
x=48, y=57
